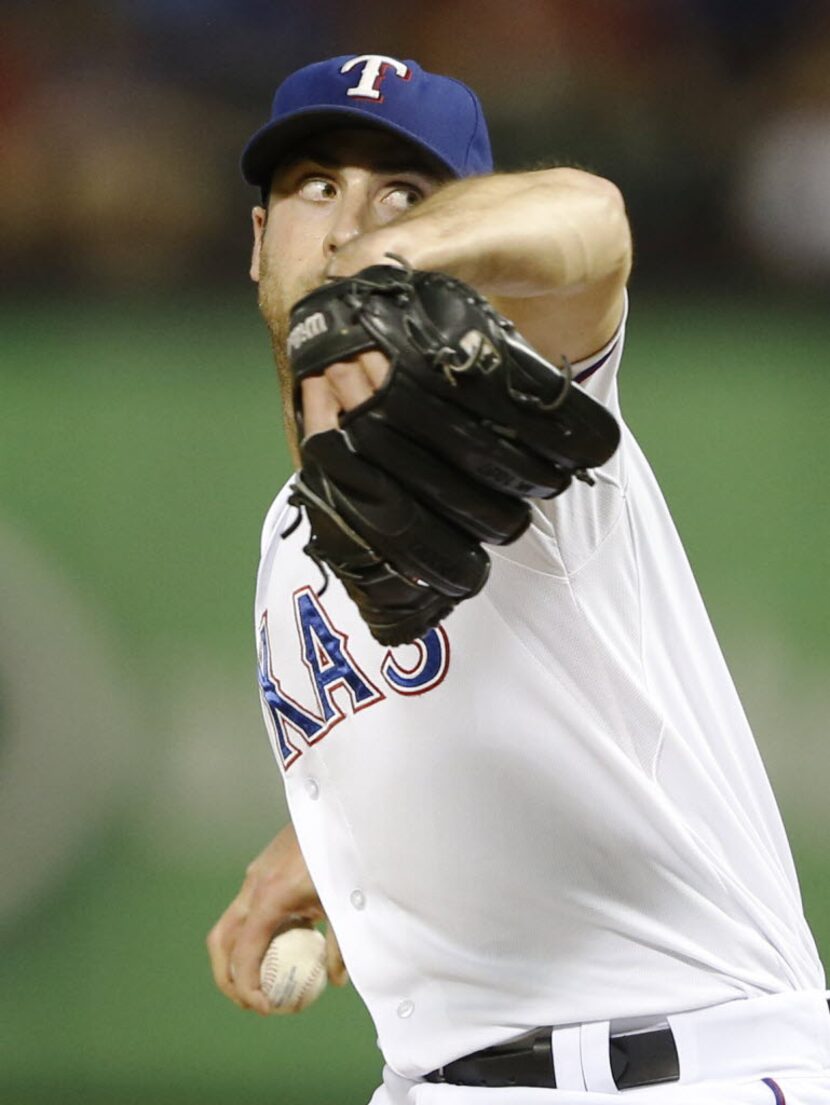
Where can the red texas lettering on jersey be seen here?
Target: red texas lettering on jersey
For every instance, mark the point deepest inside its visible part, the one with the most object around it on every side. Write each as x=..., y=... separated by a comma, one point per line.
x=325, y=653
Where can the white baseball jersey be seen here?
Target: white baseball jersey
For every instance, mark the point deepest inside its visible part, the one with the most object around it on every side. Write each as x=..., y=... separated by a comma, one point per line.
x=551, y=809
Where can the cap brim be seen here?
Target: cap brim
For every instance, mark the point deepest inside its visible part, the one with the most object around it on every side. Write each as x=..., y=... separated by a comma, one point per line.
x=274, y=141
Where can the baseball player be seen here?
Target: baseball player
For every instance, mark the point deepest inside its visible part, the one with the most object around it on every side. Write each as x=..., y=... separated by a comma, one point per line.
x=540, y=829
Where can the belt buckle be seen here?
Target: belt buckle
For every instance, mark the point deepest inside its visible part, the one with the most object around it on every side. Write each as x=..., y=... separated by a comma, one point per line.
x=652, y=1054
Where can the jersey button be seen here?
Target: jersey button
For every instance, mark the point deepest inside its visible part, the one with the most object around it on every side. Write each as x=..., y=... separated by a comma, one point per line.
x=406, y=1009
x=358, y=899
x=312, y=789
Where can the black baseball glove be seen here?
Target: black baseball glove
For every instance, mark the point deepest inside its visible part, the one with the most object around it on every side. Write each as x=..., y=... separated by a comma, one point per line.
x=470, y=423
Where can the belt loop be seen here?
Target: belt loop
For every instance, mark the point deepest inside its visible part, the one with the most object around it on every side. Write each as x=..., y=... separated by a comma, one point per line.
x=596, y=1057
x=567, y=1057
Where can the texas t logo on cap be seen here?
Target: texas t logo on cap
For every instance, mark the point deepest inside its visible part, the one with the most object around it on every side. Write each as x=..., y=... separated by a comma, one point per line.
x=375, y=69
x=439, y=116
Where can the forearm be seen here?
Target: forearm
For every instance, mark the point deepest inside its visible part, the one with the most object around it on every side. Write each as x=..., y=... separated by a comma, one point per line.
x=551, y=249
x=511, y=235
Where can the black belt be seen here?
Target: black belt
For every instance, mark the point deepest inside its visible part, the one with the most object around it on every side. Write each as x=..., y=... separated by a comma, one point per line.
x=637, y=1059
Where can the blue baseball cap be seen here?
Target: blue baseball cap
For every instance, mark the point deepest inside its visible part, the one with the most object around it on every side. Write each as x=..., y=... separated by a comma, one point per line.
x=439, y=115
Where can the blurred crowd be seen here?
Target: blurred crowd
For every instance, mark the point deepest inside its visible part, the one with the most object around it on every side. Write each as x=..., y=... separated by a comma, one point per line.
x=121, y=122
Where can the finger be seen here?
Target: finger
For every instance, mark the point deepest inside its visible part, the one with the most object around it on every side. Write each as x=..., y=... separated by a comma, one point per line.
x=220, y=943
x=344, y=386
x=335, y=967
x=249, y=950
x=320, y=405
x=350, y=383
x=376, y=367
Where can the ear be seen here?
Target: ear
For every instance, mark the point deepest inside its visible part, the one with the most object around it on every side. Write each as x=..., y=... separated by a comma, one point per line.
x=258, y=217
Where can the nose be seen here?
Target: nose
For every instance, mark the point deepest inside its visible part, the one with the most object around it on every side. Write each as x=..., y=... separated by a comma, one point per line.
x=349, y=219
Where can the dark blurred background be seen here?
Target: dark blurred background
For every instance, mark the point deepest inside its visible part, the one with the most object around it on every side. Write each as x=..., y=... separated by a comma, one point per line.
x=121, y=123
x=140, y=445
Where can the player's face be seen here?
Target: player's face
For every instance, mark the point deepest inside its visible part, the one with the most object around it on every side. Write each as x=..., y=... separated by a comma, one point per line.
x=339, y=185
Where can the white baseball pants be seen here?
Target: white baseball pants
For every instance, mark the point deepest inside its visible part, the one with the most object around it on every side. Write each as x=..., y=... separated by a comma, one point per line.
x=771, y=1050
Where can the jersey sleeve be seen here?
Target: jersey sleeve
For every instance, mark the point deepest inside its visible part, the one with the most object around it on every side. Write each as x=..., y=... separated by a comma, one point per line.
x=274, y=519
x=597, y=374
x=566, y=531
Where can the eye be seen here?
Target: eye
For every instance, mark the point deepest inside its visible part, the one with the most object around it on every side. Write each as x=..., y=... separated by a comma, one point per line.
x=400, y=197
x=317, y=189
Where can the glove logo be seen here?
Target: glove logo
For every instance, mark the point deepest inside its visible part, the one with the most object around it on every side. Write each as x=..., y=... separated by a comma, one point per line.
x=311, y=327
x=375, y=69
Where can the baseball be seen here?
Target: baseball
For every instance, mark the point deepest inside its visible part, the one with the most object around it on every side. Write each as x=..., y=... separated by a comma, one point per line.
x=293, y=972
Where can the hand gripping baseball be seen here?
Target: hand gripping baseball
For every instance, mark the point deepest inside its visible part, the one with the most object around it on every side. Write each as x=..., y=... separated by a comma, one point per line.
x=470, y=424
x=277, y=893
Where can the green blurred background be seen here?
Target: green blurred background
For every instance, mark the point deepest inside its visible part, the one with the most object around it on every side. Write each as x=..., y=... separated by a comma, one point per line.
x=140, y=446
